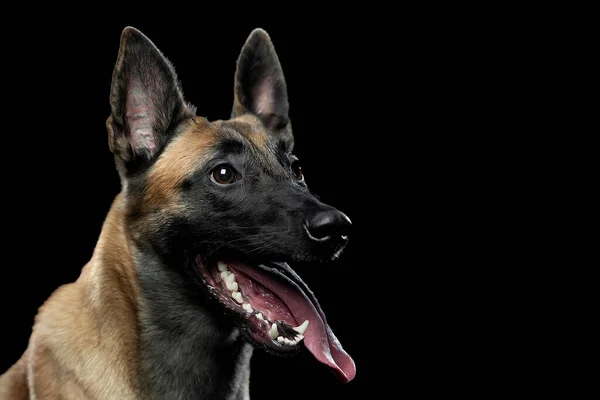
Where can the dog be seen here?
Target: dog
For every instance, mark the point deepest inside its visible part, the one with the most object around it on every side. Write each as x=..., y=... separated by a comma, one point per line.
x=190, y=273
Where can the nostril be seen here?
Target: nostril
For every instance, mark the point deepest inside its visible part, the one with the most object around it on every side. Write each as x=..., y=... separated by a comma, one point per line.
x=311, y=234
x=328, y=225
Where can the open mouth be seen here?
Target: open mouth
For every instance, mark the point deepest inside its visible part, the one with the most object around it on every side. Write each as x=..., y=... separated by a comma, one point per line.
x=278, y=310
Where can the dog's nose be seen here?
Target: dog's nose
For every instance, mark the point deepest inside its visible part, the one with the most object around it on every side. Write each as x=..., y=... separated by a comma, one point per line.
x=328, y=226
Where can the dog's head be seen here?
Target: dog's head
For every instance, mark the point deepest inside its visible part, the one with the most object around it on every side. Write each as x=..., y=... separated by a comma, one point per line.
x=226, y=202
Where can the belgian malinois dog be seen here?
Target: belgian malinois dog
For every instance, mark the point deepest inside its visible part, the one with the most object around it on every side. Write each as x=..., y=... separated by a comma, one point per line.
x=190, y=271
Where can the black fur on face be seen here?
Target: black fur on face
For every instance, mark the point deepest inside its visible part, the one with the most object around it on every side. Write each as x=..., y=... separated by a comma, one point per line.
x=260, y=216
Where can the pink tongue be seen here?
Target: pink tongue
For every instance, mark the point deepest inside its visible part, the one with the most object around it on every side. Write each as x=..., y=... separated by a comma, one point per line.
x=318, y=338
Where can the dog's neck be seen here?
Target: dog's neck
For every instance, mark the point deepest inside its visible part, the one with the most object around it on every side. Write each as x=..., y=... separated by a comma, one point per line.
x=184, y=351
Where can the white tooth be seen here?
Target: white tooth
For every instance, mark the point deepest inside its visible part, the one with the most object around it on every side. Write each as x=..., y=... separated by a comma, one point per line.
x=225, y=274
x=222, y=266
x=259, y=316
x=237, y=296
x=230, y=278
x=280, y=339
x=287, y=341
x=273, y=332
x=232, y=287
x=302, y=328
x=299, y=337
x=247, y=307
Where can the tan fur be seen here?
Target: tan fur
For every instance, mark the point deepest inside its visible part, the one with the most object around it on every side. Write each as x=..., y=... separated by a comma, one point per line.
x=178, y=162
x=84, y=340
x=13, y=384
x=254, y=129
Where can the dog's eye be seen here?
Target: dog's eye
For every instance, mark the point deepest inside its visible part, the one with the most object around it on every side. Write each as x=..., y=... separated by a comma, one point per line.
x=297, y=169
x=224, y=174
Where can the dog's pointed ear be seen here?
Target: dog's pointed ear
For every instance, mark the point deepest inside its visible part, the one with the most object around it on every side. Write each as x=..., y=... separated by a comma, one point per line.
x=259, y=86
x=146, y=101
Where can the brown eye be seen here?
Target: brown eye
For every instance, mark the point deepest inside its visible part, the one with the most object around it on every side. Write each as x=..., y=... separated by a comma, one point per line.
x=224, y=174
x=297, y=169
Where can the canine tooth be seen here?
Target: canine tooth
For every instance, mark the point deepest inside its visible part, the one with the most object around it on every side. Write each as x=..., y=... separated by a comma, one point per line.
x=237, y=296
x=221, y=266
x=280, y=339
x=232, y=287
x=273, y=332
x=302, y=328
x=259, y=316
x=299, y=337
x=247, y=307
x=225, y=274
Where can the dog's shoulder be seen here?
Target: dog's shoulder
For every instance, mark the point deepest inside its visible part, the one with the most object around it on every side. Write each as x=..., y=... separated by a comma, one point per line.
x=58, y=343
x=13, y=383
x=51, y=328
x=39, y=360
x=72, y=351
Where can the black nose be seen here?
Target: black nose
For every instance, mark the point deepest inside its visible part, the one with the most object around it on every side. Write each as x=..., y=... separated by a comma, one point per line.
x=328, y=226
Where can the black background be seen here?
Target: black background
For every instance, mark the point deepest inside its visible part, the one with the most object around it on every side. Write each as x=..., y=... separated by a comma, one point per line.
x=383, y=106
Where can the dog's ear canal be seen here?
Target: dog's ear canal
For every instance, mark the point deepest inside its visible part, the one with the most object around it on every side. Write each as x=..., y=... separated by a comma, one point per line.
x=146, y=101
x=259, y=86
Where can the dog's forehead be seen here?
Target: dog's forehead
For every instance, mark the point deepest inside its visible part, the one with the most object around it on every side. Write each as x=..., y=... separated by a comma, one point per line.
x=247, y=129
